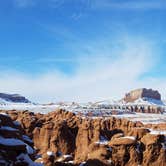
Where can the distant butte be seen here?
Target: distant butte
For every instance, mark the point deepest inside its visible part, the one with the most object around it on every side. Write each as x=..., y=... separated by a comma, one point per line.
x=14, y=98
x=142, y=93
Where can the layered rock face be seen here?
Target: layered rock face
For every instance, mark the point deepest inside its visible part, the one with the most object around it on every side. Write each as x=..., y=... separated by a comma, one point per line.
x=14, y=98
x=142, y=93
x=62, y=138
x=16, y=148
x=146, y=109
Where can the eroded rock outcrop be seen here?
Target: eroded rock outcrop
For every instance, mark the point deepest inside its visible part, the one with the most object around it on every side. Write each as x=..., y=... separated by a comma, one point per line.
x=15, y=148
x=142, y=93
x=91, y=141
x=154, y=150
x=144, y=101
x=13, y=98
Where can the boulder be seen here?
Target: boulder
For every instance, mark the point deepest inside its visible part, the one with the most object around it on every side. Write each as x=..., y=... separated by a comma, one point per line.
x=128, y=140
x=138, y=132
x=14, y=150
x=154, y=151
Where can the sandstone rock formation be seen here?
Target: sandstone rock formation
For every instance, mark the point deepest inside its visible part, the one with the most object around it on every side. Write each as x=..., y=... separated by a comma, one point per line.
x=14, y=98
x=154, y=150
x=62, y=138
x=15, y=148
x=142, y=93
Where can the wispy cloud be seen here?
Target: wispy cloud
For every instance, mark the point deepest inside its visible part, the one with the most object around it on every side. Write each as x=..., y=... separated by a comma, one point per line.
x=106, y=67
x=104, y=77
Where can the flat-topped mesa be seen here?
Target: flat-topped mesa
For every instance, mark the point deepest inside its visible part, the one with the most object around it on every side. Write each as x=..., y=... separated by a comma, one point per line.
x=16, y=98
x=142, y=93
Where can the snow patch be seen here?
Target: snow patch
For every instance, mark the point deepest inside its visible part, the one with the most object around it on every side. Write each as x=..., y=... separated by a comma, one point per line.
x=129, y=137
x=26, y=138
x=67, y=155
x=82, y=164
x=16, y=123
x=2, y=113
x=29, y=149
x=50, y=153
x=26, y=158
x=163, y=146
x=102, y=140
x=11, y=141
x=158, y=132
x=8, y=128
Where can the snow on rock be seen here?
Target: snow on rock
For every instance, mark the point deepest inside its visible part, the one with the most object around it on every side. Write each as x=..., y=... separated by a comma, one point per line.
x=37, y=108
x=102, y=140
x=109, y=161
x=128, y=137
x=110, y=149
x=29, y=149
x=27, y=139
x=163, y=145
x=82, y=164
x=126, y=140
x=158, y=132
x=70, y=162
x=25, y=158
x=4, y=114
x=8, y=128
x=65, y=158
x=3, y=162
x=7, y=98
x=14, y=149
x=49, y=153
x=11, y=141
x=146, y=101
x=145, y=118
x=16, y=123
x=67, y=155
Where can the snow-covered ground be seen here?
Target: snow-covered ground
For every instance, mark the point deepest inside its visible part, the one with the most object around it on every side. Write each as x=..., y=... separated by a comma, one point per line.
x=37, y=108
x=96, y=109
x=141, y=101
x=144, y=117
x=147, y=101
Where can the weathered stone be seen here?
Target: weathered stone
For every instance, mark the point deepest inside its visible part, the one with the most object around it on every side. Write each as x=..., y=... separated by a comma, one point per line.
x=142, y=93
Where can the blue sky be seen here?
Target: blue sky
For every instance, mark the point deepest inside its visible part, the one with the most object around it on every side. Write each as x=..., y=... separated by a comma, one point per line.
x=82, y=50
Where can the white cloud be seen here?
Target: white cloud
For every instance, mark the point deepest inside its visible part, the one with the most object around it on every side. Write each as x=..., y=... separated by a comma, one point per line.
x=101, y=72
x=96, y=78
